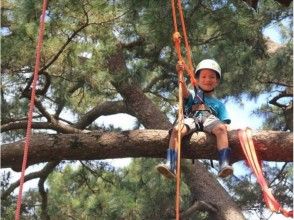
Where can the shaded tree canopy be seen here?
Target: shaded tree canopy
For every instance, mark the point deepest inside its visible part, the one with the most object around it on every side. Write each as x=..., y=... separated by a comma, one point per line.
x=101, y=58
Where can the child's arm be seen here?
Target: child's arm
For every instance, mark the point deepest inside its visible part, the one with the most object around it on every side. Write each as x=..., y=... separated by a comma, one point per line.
x=228, y=127
x=186, y=92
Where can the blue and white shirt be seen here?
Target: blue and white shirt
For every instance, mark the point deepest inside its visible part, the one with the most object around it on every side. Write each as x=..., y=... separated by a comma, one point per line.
x=217, y=108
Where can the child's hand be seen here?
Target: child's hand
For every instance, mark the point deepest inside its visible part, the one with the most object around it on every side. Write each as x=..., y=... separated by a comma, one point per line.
x=180, y=66
x=228, y=127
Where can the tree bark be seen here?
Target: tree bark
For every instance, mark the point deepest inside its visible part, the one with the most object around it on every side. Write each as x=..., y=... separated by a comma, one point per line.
x=139, y=143
x=136, y=101
x=213, y=193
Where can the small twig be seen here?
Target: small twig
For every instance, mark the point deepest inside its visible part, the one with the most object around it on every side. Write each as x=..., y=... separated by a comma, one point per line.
x=279, y=174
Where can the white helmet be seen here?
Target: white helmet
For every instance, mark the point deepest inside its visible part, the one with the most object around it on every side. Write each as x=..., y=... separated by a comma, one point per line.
x=209, y=64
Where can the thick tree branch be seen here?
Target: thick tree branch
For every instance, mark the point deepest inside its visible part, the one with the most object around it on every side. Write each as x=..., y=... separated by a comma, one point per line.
x=198, y=206
x=270, y=145
x=23, y=124
x=15, y=120
x=61, y=127
x=44, y=195
x=105, y=108
x=284, y=94
x=47, y=169
x=58, y=126
x=44, y=199
x=134, y=97
x=44, y=112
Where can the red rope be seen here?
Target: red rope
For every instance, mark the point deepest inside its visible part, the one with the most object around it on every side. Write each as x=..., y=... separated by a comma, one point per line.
x=31, y=108
x=247, y=145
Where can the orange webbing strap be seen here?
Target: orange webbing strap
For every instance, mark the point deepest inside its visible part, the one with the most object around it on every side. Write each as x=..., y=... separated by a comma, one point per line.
x=31, y=108
x=247, y=145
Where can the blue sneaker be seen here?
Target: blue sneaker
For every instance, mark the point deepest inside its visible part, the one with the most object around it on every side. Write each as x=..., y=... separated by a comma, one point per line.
x=168, y=169
x=225, y=169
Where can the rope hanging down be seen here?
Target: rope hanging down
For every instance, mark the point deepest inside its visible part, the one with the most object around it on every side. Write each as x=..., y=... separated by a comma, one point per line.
x=180, y=69
x=31, y=108
x=177, y=41
x=247, y=145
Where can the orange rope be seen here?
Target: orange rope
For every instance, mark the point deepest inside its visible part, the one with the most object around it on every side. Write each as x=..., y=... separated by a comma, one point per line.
x=181, y=66
x=189, y=69
x=180, y=126
x=174, y=16
x=177, y=41
x=188, y=50
x=31, y=109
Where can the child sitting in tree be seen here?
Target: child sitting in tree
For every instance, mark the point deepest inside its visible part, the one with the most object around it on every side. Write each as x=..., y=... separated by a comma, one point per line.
x=202, y=112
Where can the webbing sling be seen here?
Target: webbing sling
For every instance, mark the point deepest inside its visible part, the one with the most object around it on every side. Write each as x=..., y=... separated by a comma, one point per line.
x=247, y=145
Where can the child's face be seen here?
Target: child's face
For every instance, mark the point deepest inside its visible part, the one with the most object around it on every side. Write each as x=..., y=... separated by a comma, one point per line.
x=208, y=79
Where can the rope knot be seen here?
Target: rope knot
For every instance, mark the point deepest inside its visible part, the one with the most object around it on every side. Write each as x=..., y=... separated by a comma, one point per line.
x=180, y=66
x=177, y=37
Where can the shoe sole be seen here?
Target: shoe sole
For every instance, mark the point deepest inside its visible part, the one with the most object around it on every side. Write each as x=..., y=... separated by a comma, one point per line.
x=165, y=172
x=226, y=172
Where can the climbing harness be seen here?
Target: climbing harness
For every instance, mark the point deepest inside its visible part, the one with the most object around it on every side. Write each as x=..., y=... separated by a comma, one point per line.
x=31, y=108
x=247, y=145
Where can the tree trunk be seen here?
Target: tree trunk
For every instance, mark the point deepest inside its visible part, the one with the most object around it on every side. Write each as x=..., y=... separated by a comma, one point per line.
x=213, y=193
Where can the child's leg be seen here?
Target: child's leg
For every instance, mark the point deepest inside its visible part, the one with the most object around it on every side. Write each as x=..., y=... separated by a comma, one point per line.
x=220, y=131
x=168, y=169
x=213, y=125
x=173, y=141
x=224, y=152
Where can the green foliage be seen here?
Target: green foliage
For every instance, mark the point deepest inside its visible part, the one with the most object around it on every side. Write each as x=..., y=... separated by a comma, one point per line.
x=80, y=37
x=228, y=31
x=96, y=189
x=247, y=192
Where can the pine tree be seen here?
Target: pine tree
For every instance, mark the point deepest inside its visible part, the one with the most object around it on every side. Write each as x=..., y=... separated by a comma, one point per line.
x=107, y=57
